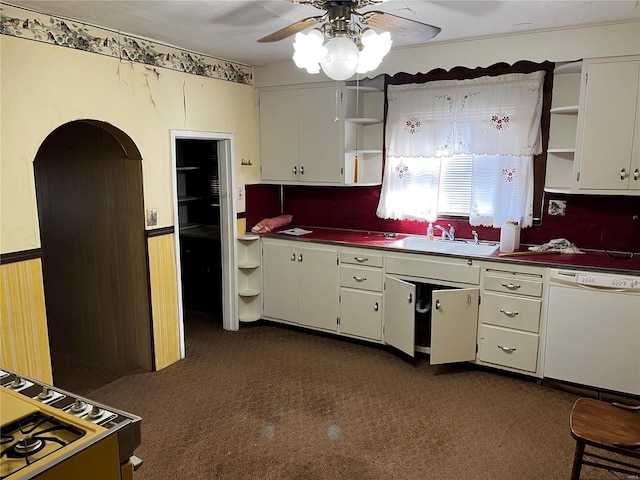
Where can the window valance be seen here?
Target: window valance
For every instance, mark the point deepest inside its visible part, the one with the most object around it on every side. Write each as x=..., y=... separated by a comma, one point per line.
x=481, y=116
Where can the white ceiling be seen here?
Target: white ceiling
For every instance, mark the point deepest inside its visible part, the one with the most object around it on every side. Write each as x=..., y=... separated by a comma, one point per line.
x=230, y=29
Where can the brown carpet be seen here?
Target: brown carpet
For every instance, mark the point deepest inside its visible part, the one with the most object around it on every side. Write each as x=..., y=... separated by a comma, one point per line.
x=274, y=403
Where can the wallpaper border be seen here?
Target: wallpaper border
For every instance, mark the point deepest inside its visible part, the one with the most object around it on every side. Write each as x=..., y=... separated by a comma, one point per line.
x=40, y=27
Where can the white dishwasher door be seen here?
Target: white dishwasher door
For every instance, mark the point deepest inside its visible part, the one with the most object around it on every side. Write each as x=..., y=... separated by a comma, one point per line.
x=593, y=330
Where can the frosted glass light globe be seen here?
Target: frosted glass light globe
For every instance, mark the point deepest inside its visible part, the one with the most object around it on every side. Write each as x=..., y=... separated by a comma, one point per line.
x=341, y=60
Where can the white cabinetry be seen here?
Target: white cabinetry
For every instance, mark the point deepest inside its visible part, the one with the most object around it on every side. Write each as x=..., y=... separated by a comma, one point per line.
x=608, y=140
x=312, y=133
x=450, y=287
x=361, y=294
x=249, y=278
x=509, y=334
x=562, y=128
x=301, y=134
x=300, y=283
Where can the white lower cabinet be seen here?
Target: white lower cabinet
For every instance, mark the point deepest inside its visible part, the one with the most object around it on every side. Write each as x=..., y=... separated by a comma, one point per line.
x=509, y=334
x=300, y=283
x=361, y=294
x=446, y=292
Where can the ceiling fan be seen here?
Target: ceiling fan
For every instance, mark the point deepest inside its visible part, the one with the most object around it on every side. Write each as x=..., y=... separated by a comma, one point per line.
x=345, y=43
x=339, y=19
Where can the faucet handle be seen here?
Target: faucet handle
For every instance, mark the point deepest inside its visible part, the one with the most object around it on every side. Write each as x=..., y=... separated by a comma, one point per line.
x=475, y=236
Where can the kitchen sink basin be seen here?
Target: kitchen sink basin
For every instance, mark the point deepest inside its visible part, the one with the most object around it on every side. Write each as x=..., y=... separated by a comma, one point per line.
x=459, y=247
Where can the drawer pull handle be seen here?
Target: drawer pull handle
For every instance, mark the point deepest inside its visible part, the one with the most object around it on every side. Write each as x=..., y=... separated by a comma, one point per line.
x=511, y=286
x=361, y=259
x=360, y=279
x=507, y=349
x=375, y=307
x=508, y=313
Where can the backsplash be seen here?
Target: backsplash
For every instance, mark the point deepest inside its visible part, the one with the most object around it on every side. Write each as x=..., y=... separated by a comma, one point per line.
x=591, y=222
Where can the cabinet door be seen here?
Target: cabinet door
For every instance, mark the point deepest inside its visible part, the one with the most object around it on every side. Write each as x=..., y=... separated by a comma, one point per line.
x=318, y=287
x=361, y=313
x=399, y=315
x=608, y=119
x=321, y=137
x=454, y=325
x=279, y=135
x=280, y=281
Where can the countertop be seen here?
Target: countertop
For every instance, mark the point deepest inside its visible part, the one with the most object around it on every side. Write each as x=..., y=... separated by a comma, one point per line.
x=589, y=260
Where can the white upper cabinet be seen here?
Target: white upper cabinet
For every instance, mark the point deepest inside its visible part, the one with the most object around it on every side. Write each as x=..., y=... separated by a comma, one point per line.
x=323, y=134
x=608, y=136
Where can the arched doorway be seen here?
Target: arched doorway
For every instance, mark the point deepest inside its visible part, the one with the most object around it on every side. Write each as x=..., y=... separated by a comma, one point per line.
x=91, y=212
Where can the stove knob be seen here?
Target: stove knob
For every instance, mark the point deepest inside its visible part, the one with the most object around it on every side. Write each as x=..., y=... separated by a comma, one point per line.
x=78, y=406
x=96, y=412
x=17, y=383
x=46, y=394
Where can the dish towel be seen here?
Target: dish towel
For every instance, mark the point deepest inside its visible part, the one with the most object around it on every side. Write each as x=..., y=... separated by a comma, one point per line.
x=561, y=245
x=268, y=224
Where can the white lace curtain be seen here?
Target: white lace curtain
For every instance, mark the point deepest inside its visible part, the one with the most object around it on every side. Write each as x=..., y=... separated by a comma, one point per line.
x=494, y=120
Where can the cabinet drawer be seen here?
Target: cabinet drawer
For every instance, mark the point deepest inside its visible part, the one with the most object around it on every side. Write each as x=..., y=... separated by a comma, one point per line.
x=360, y=257
x=361, y=278
x=438, y=268
x=514, y=284
x=510, y=311
x=509, y=348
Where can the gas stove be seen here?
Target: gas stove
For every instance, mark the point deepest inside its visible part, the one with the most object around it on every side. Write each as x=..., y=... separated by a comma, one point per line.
x=46, y=429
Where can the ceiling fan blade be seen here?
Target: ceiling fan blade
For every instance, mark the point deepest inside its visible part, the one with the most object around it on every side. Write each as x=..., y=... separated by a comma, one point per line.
x=291, y=29
x=418, y=31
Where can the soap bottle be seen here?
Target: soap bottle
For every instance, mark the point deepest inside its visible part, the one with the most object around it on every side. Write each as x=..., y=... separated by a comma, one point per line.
x=430, y=232
x=507, y=237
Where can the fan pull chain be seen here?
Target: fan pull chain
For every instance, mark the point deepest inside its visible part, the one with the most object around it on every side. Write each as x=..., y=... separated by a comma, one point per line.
x=355, y=158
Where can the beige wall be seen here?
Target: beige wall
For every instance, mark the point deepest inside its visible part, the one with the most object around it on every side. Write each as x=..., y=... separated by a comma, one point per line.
x=44, y=86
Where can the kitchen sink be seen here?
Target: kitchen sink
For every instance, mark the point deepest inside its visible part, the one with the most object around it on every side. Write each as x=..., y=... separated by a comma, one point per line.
x=459, y=247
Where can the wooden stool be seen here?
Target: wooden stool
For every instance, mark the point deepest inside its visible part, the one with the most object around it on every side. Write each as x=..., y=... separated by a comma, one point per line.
x=607, y=426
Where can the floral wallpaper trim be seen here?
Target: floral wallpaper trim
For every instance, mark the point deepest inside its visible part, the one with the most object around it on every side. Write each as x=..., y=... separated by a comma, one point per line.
x=30, y=25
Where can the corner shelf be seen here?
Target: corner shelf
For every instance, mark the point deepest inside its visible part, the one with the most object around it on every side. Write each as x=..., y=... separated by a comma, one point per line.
x=249, y=278
x=563, y=127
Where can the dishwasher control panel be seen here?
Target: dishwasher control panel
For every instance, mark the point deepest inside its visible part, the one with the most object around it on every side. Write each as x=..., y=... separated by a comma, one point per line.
x=602, y=280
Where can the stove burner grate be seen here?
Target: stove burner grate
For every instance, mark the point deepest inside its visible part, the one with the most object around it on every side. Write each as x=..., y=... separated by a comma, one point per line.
x=37, y=435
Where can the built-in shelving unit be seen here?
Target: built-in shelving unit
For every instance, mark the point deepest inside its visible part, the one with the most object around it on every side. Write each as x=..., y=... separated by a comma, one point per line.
x=562, y=129
x=249, y=278
x=364, y=117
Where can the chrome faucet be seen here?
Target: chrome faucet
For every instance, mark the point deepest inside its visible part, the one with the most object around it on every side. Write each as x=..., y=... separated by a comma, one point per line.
x=450, y=234
x=475, y=237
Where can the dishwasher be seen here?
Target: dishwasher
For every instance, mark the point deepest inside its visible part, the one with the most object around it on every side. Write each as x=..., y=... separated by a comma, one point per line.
x=593, y=330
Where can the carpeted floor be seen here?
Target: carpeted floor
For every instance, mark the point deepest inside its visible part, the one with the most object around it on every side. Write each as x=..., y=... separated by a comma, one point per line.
x=268, y=402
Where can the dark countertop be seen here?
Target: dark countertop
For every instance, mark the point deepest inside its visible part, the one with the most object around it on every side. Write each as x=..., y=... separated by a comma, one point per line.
x=590, y=260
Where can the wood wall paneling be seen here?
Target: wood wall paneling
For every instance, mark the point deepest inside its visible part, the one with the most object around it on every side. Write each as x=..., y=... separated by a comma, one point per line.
x=164, y=300
x=24, y=339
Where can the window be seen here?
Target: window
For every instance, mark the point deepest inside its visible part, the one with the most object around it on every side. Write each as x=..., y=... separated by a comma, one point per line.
x=463, y=148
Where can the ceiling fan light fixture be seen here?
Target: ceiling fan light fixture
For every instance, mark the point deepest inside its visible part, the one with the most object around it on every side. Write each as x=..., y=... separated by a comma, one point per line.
x=341, y=60
x=309, y=50
x=374, y=48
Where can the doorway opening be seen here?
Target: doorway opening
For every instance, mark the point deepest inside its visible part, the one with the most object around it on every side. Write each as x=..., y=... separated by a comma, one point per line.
x=88, y=177
x=205, y=219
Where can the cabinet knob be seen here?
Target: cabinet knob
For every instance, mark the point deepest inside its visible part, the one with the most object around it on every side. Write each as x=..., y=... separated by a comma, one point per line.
x=623, y=174
x=375, y=307
x=300, y=257
x=293, y=257
x=636, y=174
x=295, y=169
x=437, y=304
x=301, y=169
x=410, y=298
